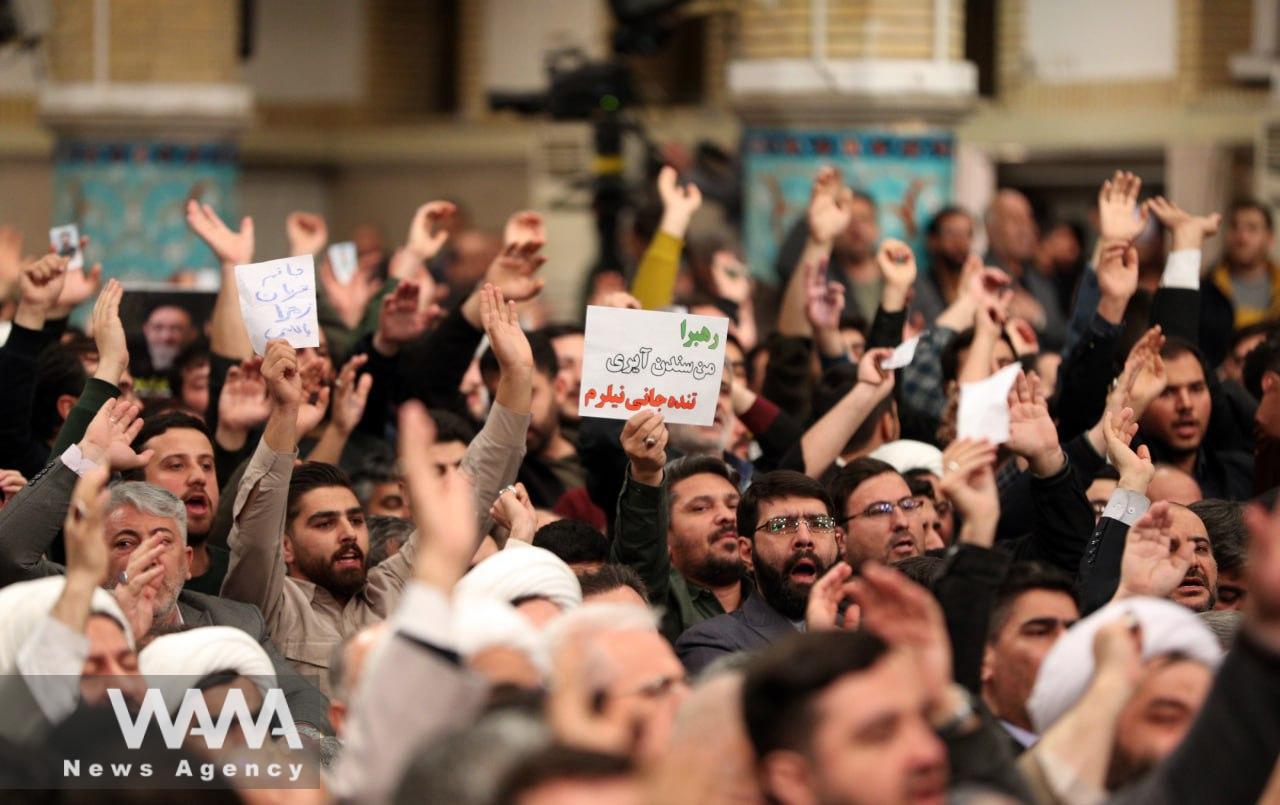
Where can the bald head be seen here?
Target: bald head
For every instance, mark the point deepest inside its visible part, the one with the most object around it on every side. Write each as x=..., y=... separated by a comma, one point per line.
x=1174, y=485
x=1198, y=590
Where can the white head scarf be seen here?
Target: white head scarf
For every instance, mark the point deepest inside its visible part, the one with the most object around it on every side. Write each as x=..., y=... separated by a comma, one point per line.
x=1067, y=670
x=482, y=623
x=175, y=662
x=905, y=455
x=529, y=571
x=24, y=604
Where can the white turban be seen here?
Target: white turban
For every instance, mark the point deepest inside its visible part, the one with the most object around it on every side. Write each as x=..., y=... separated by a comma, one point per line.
x=905, y=455
x=175, y=662
x=481, y=623
x=521, y=573
x=1065, y=674
x=24, y=604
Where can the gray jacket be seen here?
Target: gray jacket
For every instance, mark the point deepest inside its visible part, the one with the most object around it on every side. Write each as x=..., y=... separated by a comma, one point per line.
x=32, y=521
x=751, y=627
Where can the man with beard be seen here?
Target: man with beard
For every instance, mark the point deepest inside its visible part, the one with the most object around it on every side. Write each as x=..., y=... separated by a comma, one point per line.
x=878, y=512
x=1175, y=423
x=182, y=462
x=787, y=524
x=165, y=332
x=149, y=557
x=299, y=538
x=697, y=572
x=551, y=466
x=948, y=242
x=1138, y=548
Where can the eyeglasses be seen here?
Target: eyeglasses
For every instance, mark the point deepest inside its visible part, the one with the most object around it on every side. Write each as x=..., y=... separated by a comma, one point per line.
x=817, y=523
x=884, y=508
x=942, y=507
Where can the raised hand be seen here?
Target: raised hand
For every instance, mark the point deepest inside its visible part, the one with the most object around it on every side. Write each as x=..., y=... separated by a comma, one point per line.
x=907, y=617
x=870, y=373
x=514, y=271
x=136, y=589
x=678, y=203
x=429, y=229
x=231, y=247
x=507, y=340
x=244, y=403
x=11, y=483
x=307, y=232
x=1120, y=217
x=824, y=299
x=969, y=481
x=1032, y=433
x=644, y=440
x=108, y=334
x=401, y=318
x=83, y=528
x=1155, y=559
x=78, y=286
x=41, y=282
x=441, y=500
x=1189, y=231
x=1143, y=378
x=1135, y=467
x=1117, y=272
x=730, y=277
x=515, y=512
x=827, y=596
x=110, y=434
x=897, y=263
x=314, y=407
x=280, y=371
x=350, y=395
x=524, y=227
x=830, y=207
x=349, y=300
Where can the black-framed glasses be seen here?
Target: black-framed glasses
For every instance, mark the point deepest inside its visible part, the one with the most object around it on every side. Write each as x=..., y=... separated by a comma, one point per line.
x=884, y=508
x=790, y=524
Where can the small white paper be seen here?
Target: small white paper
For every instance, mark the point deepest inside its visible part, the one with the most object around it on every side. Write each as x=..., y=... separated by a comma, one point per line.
x=343, y=262
x=638, y=359
x=278, y=300
x=984, y=406
x=903, y=355
x=65, y=241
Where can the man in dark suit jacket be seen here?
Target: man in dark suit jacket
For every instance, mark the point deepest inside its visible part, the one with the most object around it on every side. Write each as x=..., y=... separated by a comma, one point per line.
x=32, y=521
x=788, y=522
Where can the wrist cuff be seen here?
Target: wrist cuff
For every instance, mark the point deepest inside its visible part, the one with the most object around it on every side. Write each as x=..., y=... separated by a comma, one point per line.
x=1182, y=270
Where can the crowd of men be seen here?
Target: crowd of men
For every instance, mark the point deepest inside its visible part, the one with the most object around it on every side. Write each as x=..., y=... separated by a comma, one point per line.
x=462, y=591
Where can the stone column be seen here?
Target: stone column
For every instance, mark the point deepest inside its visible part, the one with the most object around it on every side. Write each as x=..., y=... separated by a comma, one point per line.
x=145, y=100
x=874, y=87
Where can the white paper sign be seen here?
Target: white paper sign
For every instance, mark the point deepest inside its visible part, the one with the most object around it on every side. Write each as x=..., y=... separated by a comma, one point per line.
x=903, y=355
x=65, y=241
x=638, y=359
x=278, y=300
x=984, y=407
x=343, y=262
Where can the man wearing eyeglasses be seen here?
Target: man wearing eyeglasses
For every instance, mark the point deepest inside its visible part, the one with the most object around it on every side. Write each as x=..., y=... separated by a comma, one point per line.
x=788, y=523
x=879, y=512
